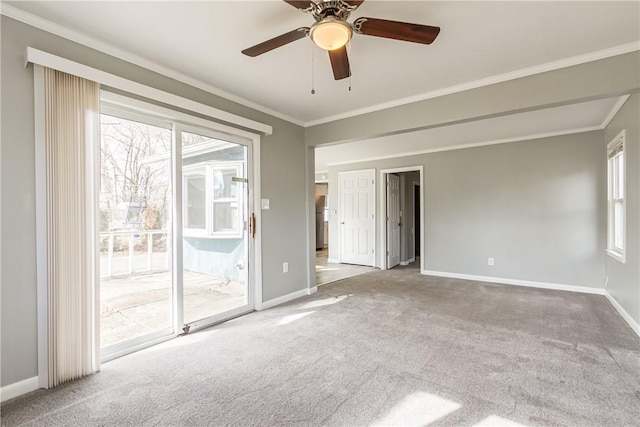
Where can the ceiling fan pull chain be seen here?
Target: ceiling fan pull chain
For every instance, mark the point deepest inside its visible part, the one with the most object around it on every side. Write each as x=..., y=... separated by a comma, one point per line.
x=351, y=56
x=313, y=80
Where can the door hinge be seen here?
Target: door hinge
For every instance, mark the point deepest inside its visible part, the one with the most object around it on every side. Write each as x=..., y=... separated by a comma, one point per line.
x=387, y=253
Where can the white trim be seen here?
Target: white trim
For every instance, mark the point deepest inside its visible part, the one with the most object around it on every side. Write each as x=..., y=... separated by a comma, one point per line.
x=499, y=78
x=216, y=319
x=517, y=282
x=409, y=261
x=310, y=222
x=332, y=261
x=626, y=316
x=614, y=110
x=619, y=254
x=18, y=389
x=135, y=344
x=61, y=31
x=288, y=297
x=168, y=115
x=40, y=57
x=471, y=145
x=381, y=244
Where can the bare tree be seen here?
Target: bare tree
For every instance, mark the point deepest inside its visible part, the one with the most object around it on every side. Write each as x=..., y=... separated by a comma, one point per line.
x=134, y=174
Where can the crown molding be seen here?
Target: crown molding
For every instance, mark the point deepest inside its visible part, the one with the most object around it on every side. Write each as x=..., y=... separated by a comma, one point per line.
x=500, y=78
x=472, y=145
x=85, y=40
x=614, y=110
x=75, y=36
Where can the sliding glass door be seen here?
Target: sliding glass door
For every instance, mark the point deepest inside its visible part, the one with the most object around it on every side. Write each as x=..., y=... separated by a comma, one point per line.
x=174, y=228
x=135, y=239
x=215, y=237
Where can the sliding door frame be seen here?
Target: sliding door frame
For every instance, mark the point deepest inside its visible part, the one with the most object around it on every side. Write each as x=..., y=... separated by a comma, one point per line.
x=181, y=122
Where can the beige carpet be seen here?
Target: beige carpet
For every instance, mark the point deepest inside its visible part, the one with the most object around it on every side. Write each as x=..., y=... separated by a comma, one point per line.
x=385, y=347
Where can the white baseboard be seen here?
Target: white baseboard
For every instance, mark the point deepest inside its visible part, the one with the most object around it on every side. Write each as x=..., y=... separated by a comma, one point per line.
x=332, y=261
x=516, y=282
x=407, y=262
x=18, y=389
x=626, y=316
x=286, y=298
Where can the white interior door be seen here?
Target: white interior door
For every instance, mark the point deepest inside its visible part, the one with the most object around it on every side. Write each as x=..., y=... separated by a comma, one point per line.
x=357, y=220
x=393, y=220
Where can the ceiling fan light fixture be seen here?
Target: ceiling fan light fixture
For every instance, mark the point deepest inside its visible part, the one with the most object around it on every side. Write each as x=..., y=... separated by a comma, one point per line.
x=331, y=34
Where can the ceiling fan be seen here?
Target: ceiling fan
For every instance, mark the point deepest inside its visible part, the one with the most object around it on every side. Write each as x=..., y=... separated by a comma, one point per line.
x=332, y=32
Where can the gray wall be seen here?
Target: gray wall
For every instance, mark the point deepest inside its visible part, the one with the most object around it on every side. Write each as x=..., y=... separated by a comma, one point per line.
x=283, y=177
x=624, y=279
x=537, y=207
x=599, y=79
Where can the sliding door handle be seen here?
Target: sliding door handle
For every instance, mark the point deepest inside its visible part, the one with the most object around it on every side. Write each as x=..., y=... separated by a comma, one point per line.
x=252, y=225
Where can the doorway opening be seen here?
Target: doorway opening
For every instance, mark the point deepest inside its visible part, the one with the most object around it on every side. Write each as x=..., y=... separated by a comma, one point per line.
x=351, y=202
x=402, y=225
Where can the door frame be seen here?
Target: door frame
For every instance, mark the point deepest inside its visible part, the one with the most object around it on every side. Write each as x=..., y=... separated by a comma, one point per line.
x=382, y=206
x=177, y=180
x=387, y=217
x=413, y=195
x=186, y=122
x=339, y=192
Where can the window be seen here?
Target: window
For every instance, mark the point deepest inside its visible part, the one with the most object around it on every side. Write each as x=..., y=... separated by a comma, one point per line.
x=212, y=197
x=616, y=197
x=195, y=196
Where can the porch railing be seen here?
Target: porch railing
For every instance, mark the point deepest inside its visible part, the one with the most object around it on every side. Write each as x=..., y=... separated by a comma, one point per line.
x=133, y=263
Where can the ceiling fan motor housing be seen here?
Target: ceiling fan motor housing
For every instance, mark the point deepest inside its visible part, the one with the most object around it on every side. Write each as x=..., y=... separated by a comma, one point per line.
x=331, y=8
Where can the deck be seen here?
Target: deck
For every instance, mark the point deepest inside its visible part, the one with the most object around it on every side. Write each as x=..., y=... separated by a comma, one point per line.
x=138, y=304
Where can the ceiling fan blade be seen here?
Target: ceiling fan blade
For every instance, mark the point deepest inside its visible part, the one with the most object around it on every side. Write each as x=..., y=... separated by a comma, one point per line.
x=404, y=31
x=340, y=63
x=303, y=5
x=276, y=42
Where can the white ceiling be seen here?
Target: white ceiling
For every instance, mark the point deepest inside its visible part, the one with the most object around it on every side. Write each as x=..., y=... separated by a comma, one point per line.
x=573, y=118
x=201, y=41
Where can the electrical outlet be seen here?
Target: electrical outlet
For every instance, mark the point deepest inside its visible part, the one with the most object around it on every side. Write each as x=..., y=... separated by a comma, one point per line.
x=285, y=267
x=490, y=261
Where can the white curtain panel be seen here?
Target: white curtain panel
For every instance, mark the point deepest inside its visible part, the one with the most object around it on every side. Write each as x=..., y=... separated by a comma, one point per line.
x=72, y=130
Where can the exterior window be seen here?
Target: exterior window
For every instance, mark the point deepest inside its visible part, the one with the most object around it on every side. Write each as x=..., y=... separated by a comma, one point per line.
x=195, y=216
x=616, y=197
x=225, y=200
x=212, y=196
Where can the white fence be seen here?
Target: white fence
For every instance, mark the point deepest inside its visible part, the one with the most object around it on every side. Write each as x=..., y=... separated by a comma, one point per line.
x=113, y=265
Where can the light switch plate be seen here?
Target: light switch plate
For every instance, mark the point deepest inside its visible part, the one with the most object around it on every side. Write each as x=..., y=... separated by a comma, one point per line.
x=265, y=204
